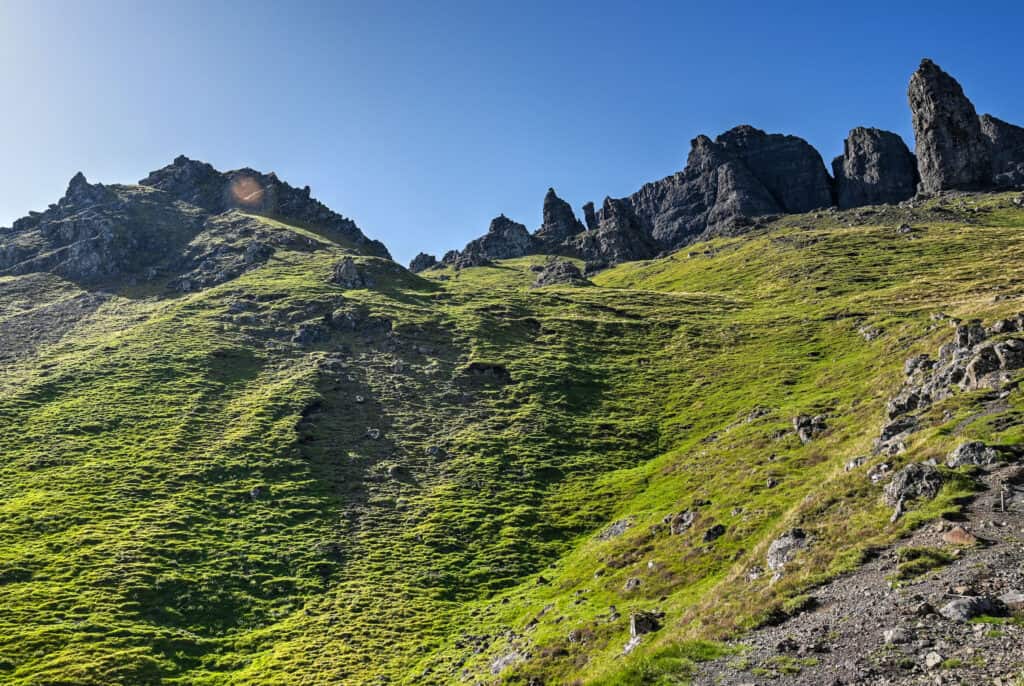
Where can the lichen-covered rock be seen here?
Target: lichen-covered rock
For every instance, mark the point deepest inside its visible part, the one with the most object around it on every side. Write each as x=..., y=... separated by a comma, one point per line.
x=917, y=480
x=876, y=167
x=952, y=152
x=972, y=452
x=784, y=548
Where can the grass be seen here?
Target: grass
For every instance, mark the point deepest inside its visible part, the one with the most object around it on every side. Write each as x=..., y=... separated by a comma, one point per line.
x=190, y=496
x=915, y=562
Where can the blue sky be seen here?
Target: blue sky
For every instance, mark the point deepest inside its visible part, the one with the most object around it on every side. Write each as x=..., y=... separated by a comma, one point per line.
x=423, y=120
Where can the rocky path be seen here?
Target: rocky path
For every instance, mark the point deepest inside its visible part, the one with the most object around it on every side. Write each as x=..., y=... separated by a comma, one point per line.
x=863, y=631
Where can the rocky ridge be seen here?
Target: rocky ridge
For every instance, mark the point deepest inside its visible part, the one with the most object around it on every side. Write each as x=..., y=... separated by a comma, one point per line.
x=745, y=176
x=186, y=223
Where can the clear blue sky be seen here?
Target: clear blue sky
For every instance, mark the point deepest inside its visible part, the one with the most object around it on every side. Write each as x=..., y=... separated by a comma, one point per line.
x=422, y=120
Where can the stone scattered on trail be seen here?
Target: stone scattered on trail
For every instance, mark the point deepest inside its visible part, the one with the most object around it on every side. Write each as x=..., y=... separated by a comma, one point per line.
x=808, y=427
x=932, y=660
x=918, y=480
x=974, y=453
x=784, y=548
x=1013, y=600
x=965, y=609
x=960, y=536
x=898, y=635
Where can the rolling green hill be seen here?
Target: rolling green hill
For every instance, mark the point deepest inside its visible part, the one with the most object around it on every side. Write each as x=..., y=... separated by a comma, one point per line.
x=455, y=477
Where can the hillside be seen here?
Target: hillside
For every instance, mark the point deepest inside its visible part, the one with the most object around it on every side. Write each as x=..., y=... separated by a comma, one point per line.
x=325, y=469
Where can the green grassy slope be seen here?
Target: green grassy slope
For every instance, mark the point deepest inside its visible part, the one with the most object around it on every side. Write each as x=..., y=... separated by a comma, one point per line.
x=277, y=480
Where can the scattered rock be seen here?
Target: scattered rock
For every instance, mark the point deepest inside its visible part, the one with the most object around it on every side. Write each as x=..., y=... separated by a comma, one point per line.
x=965, y=609
x=679, y=523
x=898, y=636
x=972, y=453
x=641, y=623
x=784, y=548
x=715, y=532
x=807, y=428
x=917, y=480
x=616, y=529
x=632, y=583
x=932, y=660
x=960, y=536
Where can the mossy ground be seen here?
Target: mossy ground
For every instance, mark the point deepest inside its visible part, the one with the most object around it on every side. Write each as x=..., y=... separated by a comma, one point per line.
x=189, y=496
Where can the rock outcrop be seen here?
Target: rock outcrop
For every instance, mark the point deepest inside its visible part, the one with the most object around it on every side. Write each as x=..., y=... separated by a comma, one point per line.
x=559, y=222
x=187, y=224
x=1006, y=142
x=876, y=167
x=504, y=239
x=199, y=184
x=559, y=272
x=590, y=216
x=952, y=152
x=422, y=262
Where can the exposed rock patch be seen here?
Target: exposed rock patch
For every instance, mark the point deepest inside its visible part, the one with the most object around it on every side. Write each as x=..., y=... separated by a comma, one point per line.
x=876, y=167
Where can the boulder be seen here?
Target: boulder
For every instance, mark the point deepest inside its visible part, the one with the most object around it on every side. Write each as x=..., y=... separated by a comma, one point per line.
x=681, y=522
x=347, y=274
x=972, y=453
x=784, y=548
x=422, y=262
x=917, y=480
x=641, y=622
x=1006, y=143
x=965, y=609
x=714, y=533
x=952, y=151
x=876, y=167
x=560, y=272
x=807, y=428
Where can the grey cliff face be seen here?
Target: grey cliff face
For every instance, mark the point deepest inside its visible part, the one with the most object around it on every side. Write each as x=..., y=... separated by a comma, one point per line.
x=590, y=216
x=1006, y=142
x=876, y=167
x=952, y=152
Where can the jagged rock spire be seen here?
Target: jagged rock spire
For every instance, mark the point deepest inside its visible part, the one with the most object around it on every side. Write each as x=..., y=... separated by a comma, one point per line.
x=952, y=152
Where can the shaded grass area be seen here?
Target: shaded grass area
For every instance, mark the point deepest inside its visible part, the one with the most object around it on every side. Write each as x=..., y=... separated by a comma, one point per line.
x=190, y=493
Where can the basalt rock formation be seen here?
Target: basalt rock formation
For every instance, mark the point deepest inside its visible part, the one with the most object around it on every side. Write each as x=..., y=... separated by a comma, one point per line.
x=876, y=167
x=1006, y=142
x=504, y=239
x=732, y=183
x=560, y=223
x=952, y=152
x=422, y=262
